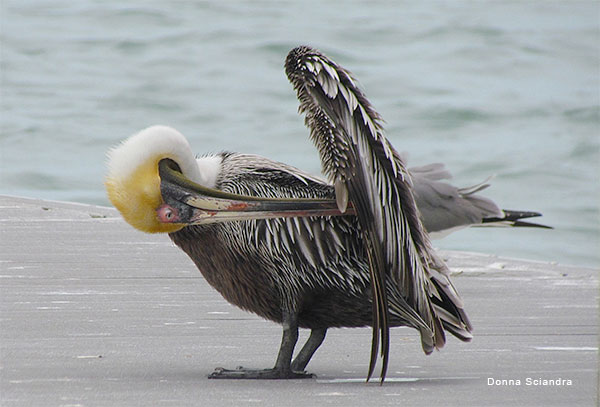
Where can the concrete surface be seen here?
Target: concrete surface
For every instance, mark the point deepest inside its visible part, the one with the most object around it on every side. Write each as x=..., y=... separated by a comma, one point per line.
x=94, y=313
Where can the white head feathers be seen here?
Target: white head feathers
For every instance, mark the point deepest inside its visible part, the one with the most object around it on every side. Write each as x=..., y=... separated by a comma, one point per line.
x=152, y=142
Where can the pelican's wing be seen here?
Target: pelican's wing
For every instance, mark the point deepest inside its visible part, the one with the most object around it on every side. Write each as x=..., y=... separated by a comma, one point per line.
x=367, y=171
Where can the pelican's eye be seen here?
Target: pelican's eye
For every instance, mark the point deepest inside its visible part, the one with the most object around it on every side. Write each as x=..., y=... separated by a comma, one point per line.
x=167, y=214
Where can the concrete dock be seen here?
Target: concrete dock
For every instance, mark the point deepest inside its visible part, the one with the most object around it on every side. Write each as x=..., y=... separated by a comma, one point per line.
x=94, y=313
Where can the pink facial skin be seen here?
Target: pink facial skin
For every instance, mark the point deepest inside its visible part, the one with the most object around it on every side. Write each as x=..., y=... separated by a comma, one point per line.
x=167, y=214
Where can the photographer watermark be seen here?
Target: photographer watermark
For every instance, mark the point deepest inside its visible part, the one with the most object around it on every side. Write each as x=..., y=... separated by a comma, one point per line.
x=529, y=381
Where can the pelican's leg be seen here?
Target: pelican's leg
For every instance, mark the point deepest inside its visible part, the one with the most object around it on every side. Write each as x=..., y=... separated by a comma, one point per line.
x=282, y=369
x=316, y=338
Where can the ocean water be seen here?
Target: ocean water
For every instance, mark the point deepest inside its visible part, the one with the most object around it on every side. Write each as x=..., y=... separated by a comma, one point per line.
x=502, y=88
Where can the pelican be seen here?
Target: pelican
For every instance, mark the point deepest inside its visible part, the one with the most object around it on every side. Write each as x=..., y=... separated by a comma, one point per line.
x=290, y=247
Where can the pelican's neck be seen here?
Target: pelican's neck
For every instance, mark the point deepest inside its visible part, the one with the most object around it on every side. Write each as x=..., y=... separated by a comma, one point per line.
x=209, y=168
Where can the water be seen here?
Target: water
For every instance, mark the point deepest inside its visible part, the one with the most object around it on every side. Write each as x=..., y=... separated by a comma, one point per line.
x=487, y=87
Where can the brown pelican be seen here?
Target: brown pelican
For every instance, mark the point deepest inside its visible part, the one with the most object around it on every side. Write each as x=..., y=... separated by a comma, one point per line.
x=288, y=246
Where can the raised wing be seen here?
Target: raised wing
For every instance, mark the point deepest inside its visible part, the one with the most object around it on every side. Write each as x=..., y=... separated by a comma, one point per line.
x=366, y=170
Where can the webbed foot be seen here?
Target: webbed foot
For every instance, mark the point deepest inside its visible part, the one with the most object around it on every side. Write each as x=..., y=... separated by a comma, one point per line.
x=266, y=374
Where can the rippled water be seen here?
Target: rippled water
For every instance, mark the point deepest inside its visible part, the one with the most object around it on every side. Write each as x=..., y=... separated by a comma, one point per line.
x=488, y=87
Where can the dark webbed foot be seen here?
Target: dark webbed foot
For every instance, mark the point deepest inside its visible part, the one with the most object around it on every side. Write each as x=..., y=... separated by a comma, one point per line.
x=283, y=367
x=266, y=374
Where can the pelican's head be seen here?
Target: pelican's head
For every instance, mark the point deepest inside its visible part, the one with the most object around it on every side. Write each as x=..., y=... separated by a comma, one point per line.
x=133, y=183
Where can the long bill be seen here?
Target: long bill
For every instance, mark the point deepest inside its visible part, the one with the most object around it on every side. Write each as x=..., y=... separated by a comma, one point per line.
x=187, y=202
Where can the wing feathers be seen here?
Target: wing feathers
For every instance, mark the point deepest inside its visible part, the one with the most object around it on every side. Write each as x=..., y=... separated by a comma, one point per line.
x=355, y=154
